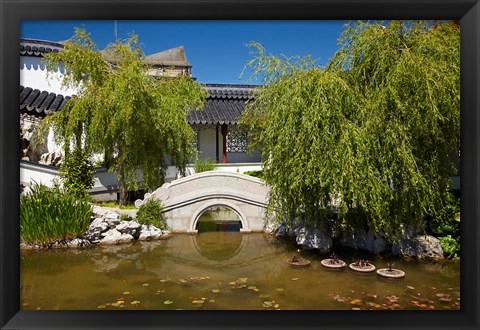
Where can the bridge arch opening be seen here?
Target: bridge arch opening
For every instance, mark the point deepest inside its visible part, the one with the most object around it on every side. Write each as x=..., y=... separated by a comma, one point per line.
x=218, y=216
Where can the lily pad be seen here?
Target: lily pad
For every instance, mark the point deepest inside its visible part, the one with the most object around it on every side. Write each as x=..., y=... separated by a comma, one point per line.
x=168, y=302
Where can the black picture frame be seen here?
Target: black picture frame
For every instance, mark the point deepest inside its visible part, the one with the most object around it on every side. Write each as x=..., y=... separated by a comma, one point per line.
x=12, y=12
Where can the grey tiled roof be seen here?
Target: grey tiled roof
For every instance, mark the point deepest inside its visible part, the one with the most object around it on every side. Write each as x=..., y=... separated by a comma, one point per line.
x=40, y=103
x=224, y=104
x=31, y=47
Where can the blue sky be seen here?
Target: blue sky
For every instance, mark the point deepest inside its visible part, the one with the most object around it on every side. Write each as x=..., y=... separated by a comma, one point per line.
x=216, y=49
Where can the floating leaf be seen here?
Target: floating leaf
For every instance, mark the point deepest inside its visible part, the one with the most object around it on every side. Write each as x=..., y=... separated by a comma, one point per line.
x=101, y=306
x=410, y=287
x=264, y=296
x=182, y=280
x=215, y=291
x=356, y=302
x=276, y=306
x=163, y=281
x=211, y=301
x=251, y=287
x=295, y=279
x=356, y=309
x=446, y=298
x=135, y=302
x=232, y=283
x=168, y=302
x=199, y=301
x=372, y=295
x=126, y=292
x=120, y=302
x=145, y=284
x=267, y=304
x=279, y=289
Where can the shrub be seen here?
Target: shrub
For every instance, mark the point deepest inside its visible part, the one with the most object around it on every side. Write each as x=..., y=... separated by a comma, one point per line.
x=50, y=214
x=203, y=165
x=447, y=227
x=125, y=217
x=450, y=246
x=77, y=172
x=257, y=174
x=151, y=212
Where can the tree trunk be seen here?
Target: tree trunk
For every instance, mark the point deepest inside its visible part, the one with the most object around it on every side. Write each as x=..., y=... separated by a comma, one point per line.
x=122, y=200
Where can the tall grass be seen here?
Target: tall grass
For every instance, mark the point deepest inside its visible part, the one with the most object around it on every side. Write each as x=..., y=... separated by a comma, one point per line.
x=203, y=165
x=50, y=214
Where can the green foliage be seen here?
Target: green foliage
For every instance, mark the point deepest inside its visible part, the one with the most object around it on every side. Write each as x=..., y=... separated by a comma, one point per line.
x=257, y=174
x=449, y=221
x=125, y=217
x=77, y=172
x=450, y=246
x=372, y=131
x=134, y=118
x=50, y=214
x=447, y=227
x=203, y=165
x=151, y=212
x=128, y=206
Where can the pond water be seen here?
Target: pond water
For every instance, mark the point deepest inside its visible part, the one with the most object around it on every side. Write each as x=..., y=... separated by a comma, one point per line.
x=224, y=270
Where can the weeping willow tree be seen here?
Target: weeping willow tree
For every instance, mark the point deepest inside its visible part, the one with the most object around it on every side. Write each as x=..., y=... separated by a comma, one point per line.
x=135, y=119
x=373, y=134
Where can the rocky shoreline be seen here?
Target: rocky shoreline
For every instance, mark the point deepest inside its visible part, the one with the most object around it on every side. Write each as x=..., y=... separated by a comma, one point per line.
x=106, y=228
x=415, y=243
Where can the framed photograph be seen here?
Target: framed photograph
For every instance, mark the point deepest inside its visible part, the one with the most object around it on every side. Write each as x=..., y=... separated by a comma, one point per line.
x=227, y=274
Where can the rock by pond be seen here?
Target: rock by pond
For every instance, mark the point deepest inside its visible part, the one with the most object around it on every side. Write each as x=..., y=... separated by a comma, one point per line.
x=106, y=228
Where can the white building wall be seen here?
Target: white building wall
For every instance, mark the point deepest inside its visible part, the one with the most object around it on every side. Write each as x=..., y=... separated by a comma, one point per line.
x=33, y=73
x=207, y=143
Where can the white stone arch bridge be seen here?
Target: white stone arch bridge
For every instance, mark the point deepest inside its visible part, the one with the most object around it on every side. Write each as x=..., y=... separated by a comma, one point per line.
x=186, y=199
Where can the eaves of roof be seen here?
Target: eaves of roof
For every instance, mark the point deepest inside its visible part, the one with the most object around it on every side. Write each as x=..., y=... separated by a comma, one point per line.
x=222, y=105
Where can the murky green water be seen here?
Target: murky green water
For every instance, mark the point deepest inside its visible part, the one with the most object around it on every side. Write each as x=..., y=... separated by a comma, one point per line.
x=223, y=271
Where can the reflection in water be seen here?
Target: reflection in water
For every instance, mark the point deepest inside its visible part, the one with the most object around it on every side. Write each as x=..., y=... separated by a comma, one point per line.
x=218, y=245
x=239, y=271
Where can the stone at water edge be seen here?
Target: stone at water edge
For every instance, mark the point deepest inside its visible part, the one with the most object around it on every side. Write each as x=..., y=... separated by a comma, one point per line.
x=149, y=232
x=313, y=238
x=113, y=236
x=422, y=246
x=128, y=227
